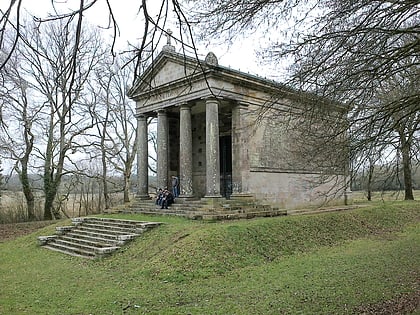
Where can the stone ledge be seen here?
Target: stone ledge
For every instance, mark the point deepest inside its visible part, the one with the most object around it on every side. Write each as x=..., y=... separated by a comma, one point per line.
x=127, y=237
x=77, y=221
x=43, y=240
x=104, y=251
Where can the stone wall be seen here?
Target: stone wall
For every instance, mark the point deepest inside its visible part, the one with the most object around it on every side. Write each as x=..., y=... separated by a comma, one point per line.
x=291, y=190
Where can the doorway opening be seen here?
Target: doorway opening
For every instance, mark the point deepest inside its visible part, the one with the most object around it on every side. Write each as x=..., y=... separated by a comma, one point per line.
x=225, y=146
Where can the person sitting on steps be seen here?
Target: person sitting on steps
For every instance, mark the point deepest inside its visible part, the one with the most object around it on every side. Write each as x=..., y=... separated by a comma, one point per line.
x=159, y=197
x=168, y=199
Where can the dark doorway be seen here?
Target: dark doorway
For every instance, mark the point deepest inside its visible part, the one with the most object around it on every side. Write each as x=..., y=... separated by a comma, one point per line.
x=225, y=144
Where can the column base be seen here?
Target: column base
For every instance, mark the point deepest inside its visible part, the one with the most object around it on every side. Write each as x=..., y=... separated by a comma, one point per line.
x=213, y=201
x=211, y=197
x=242, y=196
x=188, y=197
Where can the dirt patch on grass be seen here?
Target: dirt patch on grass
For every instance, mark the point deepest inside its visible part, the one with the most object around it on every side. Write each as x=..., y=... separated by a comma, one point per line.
x=11, y=231
x=401, y=305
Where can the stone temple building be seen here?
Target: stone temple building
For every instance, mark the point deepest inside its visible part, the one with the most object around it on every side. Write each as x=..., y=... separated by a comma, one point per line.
x=212, y=134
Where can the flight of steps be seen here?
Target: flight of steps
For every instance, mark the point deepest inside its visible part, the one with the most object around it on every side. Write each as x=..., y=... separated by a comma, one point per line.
x=319, y=210
x=92, y=237
x=205, y=209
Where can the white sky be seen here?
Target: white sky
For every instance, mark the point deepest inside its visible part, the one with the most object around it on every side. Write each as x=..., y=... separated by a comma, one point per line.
x=239, y=56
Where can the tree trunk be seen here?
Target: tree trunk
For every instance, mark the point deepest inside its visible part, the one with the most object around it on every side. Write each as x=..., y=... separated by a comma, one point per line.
x=406, y=161
x=50, y=194
x=24, y=180
x=104, y=180
x=29, y=196
x=369, y=183
x=126, y=187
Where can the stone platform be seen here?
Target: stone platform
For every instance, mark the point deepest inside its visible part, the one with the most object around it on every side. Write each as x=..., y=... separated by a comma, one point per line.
x=205, y=208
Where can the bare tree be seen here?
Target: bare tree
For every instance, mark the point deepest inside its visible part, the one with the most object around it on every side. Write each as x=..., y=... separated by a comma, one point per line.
x=1, y=183
x=18, y=132
x=59, y=82
x=154, y=16
x=115, y=124
x=341, y=50
x=404, y=122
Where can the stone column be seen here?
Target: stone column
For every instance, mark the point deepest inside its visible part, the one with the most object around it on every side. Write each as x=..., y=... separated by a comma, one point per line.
x=185, y=152
x=162, y=149
x=142, y=158
x=212, y=149
x=240, y=161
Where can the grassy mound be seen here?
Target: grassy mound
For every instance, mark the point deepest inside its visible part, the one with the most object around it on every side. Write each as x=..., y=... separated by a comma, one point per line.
x=321, y=264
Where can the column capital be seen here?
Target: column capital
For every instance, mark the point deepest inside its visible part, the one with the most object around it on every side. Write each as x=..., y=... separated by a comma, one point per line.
x=185, y=105
x=211, y=98
x=141, y=116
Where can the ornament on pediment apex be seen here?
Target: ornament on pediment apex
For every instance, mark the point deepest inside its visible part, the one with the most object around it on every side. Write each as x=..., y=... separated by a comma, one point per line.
x=168, y=37
x=168, y=47
x=211, y=59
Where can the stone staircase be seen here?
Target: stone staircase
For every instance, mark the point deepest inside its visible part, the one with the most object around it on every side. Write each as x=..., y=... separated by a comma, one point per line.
x=92, y=237
x=205, y=208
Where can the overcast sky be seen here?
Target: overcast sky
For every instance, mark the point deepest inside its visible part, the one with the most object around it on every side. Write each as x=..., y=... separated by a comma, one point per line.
x=239, y=56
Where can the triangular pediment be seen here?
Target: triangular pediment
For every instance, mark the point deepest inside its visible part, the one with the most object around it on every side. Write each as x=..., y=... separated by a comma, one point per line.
x=167, y=68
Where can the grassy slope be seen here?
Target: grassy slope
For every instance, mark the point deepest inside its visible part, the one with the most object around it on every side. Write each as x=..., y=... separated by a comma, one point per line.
x=321, y=264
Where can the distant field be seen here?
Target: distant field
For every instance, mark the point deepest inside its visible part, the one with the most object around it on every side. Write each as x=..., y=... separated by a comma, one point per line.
x=383, y=195
x=13, y=205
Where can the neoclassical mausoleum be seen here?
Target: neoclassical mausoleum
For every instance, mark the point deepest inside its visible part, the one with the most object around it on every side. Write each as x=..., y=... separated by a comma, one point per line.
x=213, y=134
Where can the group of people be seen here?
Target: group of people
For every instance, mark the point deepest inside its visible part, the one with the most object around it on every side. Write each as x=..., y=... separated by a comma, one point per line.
x=164, y=197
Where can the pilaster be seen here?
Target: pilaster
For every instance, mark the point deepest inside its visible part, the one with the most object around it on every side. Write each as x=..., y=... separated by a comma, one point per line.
x=240, y=160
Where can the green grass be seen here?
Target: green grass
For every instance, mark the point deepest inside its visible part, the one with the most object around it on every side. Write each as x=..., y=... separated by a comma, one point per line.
x=320, y=264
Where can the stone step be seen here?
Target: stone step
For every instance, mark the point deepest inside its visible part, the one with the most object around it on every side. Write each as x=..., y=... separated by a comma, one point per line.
x=74, y=251
x=318, y=210
x=213, y=214
x=103, y=229
x=116, y=229
x=94, y=237
x=89, y=241
x=206, y=208
x=86, y=246
x=109, y=222
x=104, y=234
x=90, y=238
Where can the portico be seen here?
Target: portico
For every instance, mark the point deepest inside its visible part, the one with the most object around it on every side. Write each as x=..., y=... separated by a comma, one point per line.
x=191, y=145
